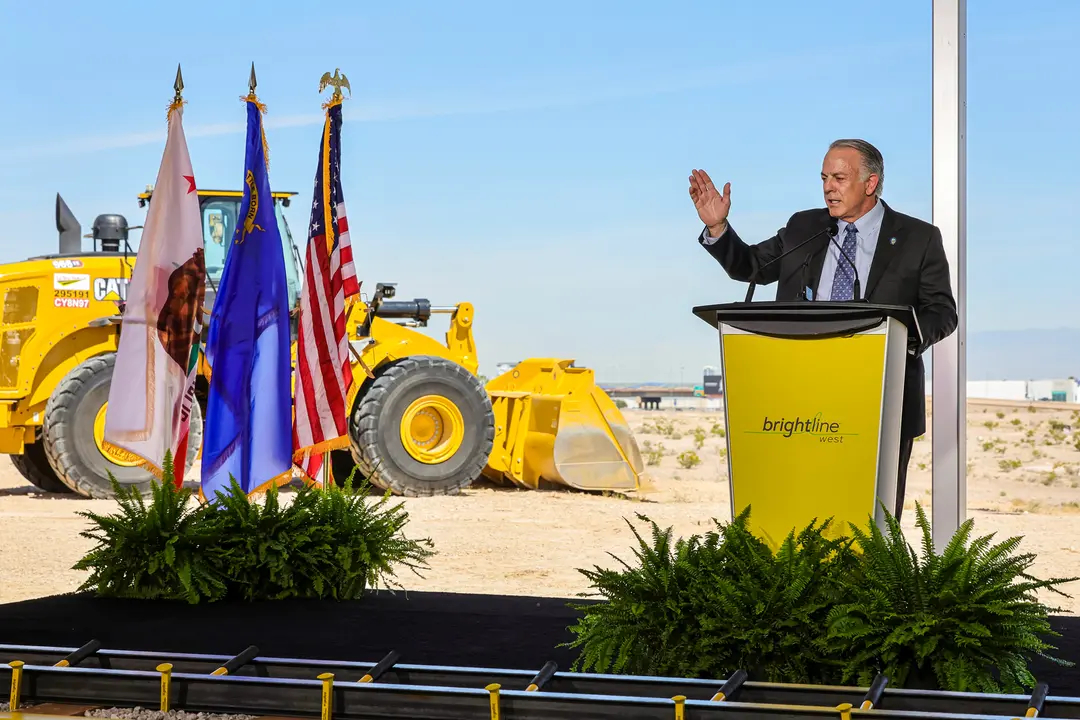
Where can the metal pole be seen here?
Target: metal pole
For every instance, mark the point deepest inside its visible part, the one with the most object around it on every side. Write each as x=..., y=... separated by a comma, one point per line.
x=949, y=375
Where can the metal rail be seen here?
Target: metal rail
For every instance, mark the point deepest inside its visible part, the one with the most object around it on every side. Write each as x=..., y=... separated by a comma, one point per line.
x=251, y=684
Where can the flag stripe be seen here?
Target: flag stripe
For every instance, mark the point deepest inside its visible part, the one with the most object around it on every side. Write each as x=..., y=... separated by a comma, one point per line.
x=317, y=334
x=324, y=374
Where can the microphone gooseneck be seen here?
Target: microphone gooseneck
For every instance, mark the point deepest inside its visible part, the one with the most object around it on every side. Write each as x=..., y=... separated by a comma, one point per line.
x=831, y=230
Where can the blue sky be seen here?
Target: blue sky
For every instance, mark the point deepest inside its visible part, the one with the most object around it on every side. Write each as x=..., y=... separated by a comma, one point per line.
x=533, y=160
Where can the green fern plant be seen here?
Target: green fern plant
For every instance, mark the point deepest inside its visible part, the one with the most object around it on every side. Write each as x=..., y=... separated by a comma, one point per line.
x=367, y=539
x=706, y=606
x=157, y=551
x=328, y=543
x=966, y=619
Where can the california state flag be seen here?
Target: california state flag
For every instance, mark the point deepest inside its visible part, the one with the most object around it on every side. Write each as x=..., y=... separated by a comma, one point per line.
x=153, y=384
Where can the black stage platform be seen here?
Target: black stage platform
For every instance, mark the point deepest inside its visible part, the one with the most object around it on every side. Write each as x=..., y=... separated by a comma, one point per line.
x=491, y=631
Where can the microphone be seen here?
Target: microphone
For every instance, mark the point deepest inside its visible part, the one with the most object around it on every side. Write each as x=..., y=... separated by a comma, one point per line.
x=840, y=250
x=830, y=229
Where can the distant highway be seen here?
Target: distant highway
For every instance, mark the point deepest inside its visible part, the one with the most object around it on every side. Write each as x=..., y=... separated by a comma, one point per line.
x=648, y=391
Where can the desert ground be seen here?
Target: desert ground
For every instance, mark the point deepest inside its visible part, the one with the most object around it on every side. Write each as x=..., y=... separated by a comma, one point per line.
x=1023, y=479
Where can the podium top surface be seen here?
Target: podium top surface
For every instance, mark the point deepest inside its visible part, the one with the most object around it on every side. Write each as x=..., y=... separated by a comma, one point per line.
x=807, y=319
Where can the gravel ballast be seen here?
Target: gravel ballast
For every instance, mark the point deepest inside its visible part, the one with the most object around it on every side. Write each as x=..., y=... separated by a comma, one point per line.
x=141, y=713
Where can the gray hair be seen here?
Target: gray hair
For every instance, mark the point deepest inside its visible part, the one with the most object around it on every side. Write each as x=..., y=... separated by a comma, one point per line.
x=872, y=162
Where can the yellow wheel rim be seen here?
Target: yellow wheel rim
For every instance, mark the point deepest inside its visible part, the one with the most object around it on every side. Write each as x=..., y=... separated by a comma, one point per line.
x=432, y=429
x=113, y=455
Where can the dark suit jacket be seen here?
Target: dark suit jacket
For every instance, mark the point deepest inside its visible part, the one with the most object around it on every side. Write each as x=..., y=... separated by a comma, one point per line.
x=912, y=272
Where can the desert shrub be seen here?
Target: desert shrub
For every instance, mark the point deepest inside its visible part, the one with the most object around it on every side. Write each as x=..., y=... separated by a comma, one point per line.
x=699, y=437
x=688, y=459
x=718, y=430
x=707, y=606
x=966, y=619
x=620, y=403
x=157, y=550
x=653, y=455
x=327, y=543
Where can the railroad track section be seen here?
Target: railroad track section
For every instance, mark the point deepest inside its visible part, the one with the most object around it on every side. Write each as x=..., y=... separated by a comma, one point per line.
x=248, y=683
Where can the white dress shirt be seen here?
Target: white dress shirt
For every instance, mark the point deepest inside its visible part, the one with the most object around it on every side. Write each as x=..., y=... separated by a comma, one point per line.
x=868, y=226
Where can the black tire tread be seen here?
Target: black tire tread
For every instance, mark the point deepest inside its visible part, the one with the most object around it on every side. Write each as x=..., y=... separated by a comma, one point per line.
x=365, y=424
x=34, y=466
x=57, y=435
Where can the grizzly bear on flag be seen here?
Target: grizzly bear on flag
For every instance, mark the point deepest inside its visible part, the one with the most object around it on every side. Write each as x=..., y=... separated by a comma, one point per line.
x=176, y=325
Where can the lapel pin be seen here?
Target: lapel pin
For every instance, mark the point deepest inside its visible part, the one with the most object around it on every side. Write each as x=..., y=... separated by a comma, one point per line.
x=892, y=241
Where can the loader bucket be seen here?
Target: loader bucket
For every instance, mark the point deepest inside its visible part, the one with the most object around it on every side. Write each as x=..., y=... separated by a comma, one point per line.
x=553, y=424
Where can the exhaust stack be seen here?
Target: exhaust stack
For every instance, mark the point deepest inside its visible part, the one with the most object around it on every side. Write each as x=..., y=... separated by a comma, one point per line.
x=68, y=227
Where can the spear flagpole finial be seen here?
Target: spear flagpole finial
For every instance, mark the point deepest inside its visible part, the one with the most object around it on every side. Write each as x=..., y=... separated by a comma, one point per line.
x=178, y=85
x=251, y=80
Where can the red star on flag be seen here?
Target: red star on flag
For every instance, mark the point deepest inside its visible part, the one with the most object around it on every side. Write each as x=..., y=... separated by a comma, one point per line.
x=191, y=182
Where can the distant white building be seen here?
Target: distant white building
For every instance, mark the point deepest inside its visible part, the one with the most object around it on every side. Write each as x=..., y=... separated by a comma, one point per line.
x=1061, y=390
x=500, y=368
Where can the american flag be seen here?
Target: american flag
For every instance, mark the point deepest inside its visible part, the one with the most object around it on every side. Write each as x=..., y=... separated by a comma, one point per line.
x=323, y=374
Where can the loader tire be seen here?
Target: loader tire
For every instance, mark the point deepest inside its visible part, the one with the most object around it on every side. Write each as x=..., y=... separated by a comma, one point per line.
x=69, y=440
x=452, y=400
x=341, y=464
x=34, y=466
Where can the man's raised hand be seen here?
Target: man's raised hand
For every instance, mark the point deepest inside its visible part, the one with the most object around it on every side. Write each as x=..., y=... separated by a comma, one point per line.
x=712, y=207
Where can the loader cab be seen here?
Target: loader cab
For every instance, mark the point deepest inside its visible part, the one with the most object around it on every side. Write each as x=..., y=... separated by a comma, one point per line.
x=220, y=211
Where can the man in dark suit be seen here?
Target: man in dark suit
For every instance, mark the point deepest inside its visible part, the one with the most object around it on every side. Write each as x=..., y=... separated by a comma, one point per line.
x=900, y=261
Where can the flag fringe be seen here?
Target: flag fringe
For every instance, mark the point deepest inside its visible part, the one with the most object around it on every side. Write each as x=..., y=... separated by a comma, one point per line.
x=278, y=480
x=251, y=98
x=328, y=224
x=147, y=465
x=174, y=105
x=339, y=443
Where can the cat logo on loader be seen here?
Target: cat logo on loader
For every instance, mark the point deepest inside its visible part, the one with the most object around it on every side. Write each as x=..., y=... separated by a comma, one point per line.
x=421, y=421
x=110, y=289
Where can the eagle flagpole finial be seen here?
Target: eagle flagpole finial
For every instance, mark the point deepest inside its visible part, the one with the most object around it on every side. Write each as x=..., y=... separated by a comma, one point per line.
x=337, y=81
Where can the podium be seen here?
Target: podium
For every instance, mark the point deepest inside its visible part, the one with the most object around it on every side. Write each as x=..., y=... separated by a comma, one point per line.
x=813, y=395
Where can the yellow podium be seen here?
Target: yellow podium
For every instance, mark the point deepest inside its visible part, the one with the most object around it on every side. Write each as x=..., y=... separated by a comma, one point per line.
x=813, y=394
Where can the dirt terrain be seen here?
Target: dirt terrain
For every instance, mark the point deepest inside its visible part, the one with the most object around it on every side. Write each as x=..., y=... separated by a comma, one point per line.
x=1023, y=479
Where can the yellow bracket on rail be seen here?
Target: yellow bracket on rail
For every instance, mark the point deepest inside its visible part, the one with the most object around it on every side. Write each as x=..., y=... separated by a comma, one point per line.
x=327, y=695
x=493, y=698
x=166, y=680
x=680, y=707
x=16, y=684
x=845, y=711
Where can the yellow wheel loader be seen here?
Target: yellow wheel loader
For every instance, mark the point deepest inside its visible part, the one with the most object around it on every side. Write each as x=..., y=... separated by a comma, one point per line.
x=421, y=420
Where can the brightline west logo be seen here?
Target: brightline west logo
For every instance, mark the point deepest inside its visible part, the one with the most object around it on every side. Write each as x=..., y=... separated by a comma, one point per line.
x=826, y=431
